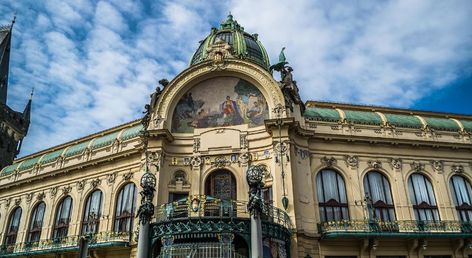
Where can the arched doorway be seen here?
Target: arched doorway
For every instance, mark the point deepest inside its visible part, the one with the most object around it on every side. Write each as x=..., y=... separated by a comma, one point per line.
x=221, y=184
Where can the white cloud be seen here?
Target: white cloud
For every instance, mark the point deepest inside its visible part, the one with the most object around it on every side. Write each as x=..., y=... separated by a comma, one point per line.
x=94, y=64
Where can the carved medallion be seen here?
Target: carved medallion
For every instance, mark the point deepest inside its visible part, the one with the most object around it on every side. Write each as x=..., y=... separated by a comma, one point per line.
x=459, y=169
x=416, y=166
x=396, y=163
x=352, y=161
x=376, y=164
x=438, y=166
x=328, y=162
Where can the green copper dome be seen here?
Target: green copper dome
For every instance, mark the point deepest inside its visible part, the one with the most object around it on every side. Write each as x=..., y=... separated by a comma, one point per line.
x=243, y=45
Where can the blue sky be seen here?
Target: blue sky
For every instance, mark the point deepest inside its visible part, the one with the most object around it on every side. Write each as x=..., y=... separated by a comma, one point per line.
x=94, y=63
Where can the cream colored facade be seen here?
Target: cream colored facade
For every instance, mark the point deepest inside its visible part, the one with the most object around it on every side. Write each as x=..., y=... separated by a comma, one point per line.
x=326, y=136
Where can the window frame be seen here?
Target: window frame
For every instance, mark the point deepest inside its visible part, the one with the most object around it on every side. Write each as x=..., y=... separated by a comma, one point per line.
x=10, y=233
x=380, y=206
x=332, y=203
x=60, y=227
x=95, y=223
x=120, y=218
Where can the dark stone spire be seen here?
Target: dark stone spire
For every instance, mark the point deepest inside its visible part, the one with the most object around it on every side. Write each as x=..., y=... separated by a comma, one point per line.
x=5, y=44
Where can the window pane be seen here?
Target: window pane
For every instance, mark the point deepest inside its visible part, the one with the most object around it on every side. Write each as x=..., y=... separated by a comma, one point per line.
x=332, y=197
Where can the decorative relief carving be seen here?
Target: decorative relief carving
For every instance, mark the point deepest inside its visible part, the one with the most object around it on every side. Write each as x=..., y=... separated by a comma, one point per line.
x=328, y=162
x=459, y=169
x=128, y=176
x=417, y=166
x=111, y=177
x=196, y=162
x=95, y=183
x=303, y=154
x=221, y=162
x=396, y=163
x=66, y=190
x=196, y=145
x=376, y=164
x=438, y=166
x=352, y=161
x=81, y=184
x=17, y=201
x=244, y=158
x=53, y=191
x=7, y=203
x=40, y=196
x=29, y=197
x=243, y=141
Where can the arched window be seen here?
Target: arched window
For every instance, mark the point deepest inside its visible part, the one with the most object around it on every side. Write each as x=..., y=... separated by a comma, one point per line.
x=36, y=223
x=61, y=223
x=92, y=212
x=125, y=208
x=377, y=187
x=13, y=225
x=222, y=185
x=332, y=198
x=422, y=198
x=462, y=194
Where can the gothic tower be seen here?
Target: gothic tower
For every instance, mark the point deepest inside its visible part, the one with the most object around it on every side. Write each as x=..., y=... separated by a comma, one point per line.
x=13, y=125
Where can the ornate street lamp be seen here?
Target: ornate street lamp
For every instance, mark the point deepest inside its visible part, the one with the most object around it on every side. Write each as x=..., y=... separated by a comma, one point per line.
x=148, y=184
x=254, y=178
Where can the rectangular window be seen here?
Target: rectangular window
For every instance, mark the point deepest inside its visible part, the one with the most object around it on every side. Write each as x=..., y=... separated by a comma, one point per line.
x=177, y=196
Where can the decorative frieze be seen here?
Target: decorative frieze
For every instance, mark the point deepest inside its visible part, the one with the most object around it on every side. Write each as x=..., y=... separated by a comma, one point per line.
x=221, y=162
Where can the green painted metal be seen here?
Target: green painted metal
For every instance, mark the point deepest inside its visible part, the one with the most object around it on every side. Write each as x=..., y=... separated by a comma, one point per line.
x=29, y=163
x=9, y=169
x=467, y=124
x=363, y=117
x=131, y=132
x=408, y=121
x=51, y=157
x=66, y=244
x=76, y=149
x=103, y=141
x=322, y=114
x=395, y=229
x=442, y=124
x=239, y=44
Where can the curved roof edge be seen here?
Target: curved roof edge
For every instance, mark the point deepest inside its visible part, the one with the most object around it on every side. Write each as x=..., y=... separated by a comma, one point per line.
x=94, y=141
x=370, y=115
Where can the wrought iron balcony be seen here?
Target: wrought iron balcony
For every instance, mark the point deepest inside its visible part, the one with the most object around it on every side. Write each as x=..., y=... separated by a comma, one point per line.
x=65, y=244
x=208, y=207
x=407, y=228
x=204, y=214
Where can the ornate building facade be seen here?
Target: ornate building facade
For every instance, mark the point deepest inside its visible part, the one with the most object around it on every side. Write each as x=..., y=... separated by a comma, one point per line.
x=339, y=180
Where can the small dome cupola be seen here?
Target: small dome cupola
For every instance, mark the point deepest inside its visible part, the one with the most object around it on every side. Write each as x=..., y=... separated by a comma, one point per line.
x=243, y=45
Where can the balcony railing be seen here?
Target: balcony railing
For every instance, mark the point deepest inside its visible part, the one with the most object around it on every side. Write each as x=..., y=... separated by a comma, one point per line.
x=208, y=207
x=200, y=250
x=69, y=243
x=408, y=228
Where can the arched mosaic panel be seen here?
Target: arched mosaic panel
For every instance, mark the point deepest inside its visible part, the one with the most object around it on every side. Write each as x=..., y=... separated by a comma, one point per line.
x=221, y=101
